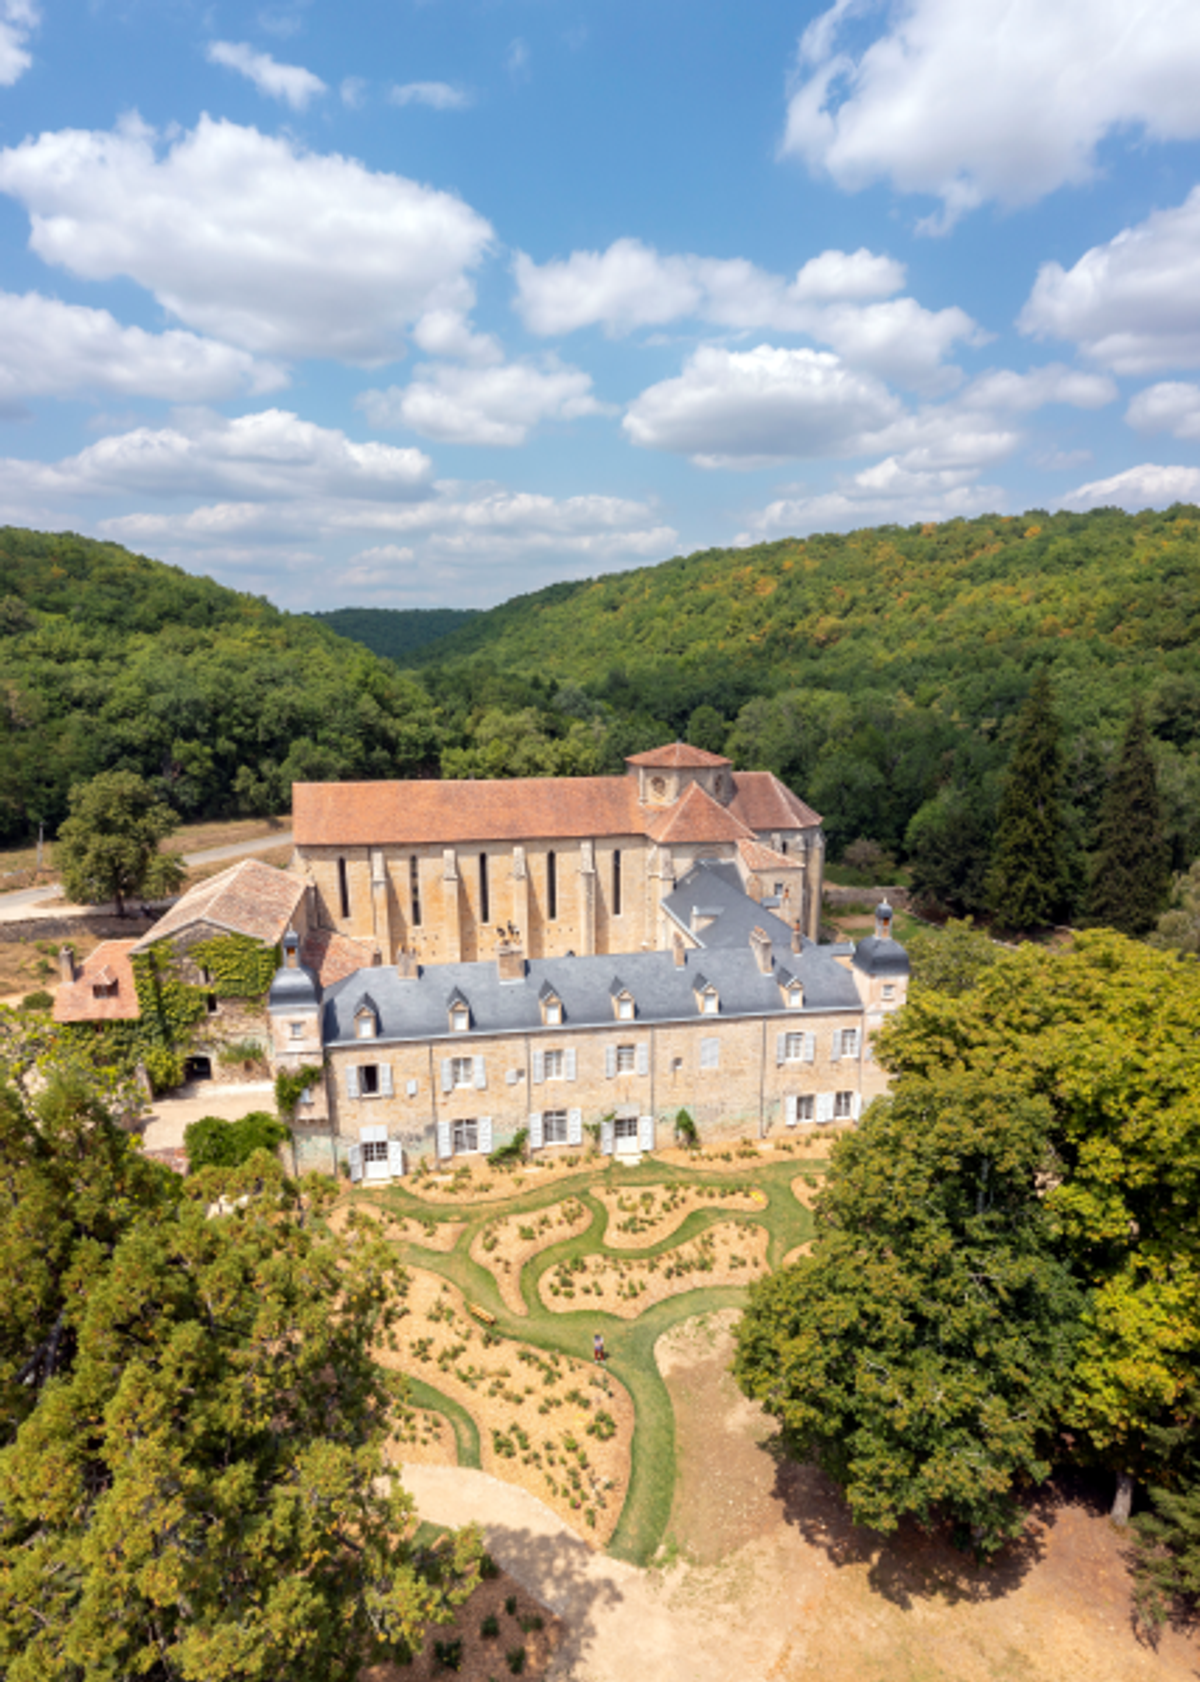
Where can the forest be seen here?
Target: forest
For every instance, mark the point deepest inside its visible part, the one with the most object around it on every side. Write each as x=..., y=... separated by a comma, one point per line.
x=881, y=673
x=396, y=633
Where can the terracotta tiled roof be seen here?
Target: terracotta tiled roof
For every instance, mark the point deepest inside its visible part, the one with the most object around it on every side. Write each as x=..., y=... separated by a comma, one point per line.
x=75, y=1000
x=696, y=816
x=332, y=956
x=757, y=857
x=446, y=813
x=249, y=898
x=763, y=802
x=676, y=756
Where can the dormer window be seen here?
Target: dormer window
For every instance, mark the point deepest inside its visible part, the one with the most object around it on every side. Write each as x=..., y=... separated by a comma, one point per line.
x=624, y=1007
x=552, y=1007
x=792, y=989
x=460, y=1019
x=707, y=998
x=366, y=1020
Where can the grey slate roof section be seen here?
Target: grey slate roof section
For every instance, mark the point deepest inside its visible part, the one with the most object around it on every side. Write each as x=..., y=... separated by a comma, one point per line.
x=664, y=991
x=294, y=989
x=880, y=957
x=367, y=1003
x=715, y=889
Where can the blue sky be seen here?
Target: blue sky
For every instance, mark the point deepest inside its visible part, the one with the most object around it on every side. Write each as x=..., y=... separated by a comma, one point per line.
x=431, y=302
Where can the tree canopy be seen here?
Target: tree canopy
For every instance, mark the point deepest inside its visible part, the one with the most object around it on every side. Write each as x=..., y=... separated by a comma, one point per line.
x=108, y=847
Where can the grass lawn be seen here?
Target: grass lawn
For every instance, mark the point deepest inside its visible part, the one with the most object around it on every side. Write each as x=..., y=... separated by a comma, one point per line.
x=566, y=1332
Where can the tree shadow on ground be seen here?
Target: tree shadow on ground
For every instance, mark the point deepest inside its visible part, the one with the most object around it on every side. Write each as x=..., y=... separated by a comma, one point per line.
x=911, y=1564
x=559, y=1571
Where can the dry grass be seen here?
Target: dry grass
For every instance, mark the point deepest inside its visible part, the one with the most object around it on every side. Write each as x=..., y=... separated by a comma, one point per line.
x=727, y=1253
x=644, y=1215
x=191, y=838
x=475, y=1181
x=505, y=1246
x=280, y=857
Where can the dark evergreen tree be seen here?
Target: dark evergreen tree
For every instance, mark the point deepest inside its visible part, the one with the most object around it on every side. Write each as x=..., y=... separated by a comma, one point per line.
x=1027, y=880
x=1131, y=870
x=1167, y=1545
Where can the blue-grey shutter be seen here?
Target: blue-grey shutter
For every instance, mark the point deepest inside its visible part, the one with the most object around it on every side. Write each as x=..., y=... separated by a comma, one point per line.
x=643, y=1058
x=810, y=1048
x=447, y=1077
x=610, y=1061
x=536, y=1138
x=485, y=1135
x=480, y=1074
x=790, y=1109
x=355, y=1154
x=608, y=1137
x=574, y=1127
x=781, y=1048
x=710, y=1054
x=539, y=1067
x=835, y=1049
x=352, y=1080
x=569, y=1063
x=646, y=1133
x=385, y=1080
x=395, y=1159
x=445, y=1139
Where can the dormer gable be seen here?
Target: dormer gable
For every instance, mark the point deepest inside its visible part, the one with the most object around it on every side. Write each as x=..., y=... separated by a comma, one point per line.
x=624, y=1003
x=551, y=1006
x=708, y=1000
x=458, y=1012
x=366, y=1018
x=791, y=990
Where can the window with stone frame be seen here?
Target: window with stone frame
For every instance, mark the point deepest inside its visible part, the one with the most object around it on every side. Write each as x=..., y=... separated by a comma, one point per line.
x=368, y=1080
x=554, y=1127
x=464, y=1137
x=843, y=1106
x=626, y=1059
x=554, y=1065
x=806, y=1108
x=462, y=1071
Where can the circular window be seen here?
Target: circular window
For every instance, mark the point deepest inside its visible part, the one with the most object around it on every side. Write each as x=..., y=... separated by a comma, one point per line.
x=658, y=785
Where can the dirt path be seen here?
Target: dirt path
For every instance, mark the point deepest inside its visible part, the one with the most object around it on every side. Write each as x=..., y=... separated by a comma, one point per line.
x=775, y=1585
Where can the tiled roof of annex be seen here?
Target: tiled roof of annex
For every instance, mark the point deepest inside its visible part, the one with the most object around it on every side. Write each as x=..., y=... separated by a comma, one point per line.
x=76, y=1001
x=249, y=898
x=676, y=756
x=764, y=803
x=696, y=817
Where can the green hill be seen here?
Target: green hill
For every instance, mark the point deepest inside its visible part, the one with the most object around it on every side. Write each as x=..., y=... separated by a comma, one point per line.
x=396, y=633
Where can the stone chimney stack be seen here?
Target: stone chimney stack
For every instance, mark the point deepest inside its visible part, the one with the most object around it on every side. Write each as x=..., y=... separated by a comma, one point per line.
x=407, y=967
x=760, y=945
x=66, y=964
x=679, y=954
x=797, y=938
x=510, y=961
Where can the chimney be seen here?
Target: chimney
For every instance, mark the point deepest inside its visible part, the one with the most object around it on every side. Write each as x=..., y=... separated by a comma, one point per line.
x=510, y=961
x=407, y=967
x=754, y=888
x=797, y=938
x=679, y=953
x=66, y=964
x=760, y=945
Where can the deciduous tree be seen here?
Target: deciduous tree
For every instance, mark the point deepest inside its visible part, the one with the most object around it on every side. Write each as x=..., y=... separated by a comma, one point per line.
x=108, y=847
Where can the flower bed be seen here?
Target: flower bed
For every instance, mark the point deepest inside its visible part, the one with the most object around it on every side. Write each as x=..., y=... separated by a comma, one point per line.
x=642, y=1215
x=728, y=1253
x=505, y=1245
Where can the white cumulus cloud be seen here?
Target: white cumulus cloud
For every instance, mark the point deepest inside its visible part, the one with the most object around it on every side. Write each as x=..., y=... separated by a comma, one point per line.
x=1173, y=406
x=1146, y=486
x=887, y=492
x=1014, y=393
x=291, y=83
x=490, y=405
x=439, y=96
x=999, y=99
x=750, y=408
x=18, y=20
x=1132, y=305
x=250, y=237
x=52, y=349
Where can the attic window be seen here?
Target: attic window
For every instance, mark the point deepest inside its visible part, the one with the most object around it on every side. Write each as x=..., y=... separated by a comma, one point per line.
x=625, y=1007
x=104, y=989
x=460, y=1019
x=552, y=1011
x=710, y=1004
x=364, y=1026
x=889, y=992
x=793, y=995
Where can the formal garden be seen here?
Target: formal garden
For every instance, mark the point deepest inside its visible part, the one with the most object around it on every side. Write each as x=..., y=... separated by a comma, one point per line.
x=514, y=1271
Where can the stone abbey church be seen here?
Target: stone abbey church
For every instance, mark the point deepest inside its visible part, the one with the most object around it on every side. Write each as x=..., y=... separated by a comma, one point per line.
x=472, y=958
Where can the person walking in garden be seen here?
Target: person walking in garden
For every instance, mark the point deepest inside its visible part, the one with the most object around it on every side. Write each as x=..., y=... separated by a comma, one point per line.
x=599, y=1353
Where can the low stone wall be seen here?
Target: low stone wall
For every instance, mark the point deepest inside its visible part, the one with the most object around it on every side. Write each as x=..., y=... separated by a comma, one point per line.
x=896, y=897
x=102, y=925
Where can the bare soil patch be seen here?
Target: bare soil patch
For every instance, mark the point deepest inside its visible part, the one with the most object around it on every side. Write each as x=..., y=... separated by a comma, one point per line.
x=520, y=1621
x=727, y=1253
x=557, y=1426
x=505, y=1245
x=642, y=1215
x=423, y=1438
x=794, y=1256
x=805, y=1188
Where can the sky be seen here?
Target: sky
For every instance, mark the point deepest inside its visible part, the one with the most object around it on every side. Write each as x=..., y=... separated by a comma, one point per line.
x=419, y=303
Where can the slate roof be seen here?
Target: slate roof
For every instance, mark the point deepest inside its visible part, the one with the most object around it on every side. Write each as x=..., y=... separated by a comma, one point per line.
x=664, y=991
x=75, y=1002
x=676, y=756
x=881, y=957
x=249, y=898
x=714, y=888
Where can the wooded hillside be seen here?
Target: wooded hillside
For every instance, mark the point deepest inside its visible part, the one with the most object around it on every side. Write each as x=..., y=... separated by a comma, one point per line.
x=396, y=633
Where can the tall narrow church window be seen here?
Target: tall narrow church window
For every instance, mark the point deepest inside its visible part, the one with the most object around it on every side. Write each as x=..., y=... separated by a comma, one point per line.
x=414, y=890
x=551, y=886
x=616, y=882
x=485, y=909
x=343, y=888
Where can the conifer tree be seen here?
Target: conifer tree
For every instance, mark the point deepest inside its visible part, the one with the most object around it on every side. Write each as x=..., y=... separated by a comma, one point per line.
x=1131, y=874
x=1027, y=880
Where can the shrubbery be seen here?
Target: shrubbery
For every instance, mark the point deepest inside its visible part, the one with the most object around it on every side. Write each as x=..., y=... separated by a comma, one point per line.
x=213, y=1143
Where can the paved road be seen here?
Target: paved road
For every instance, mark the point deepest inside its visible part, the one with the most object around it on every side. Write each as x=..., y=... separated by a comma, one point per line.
x=23, y=902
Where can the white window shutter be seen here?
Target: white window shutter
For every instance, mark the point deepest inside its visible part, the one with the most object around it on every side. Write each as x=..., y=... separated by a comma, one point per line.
x=824, y=1106
x=411, y=1088
x=447, y=1077
x=710, y=1054
x=781, y=1048
x=790, y=1109
x=810, y=1048
x=539, y=1066
x=856, y=1105
x=569, y=1063
x=372, y=1135
x=536, y=1132
x=385, y=1080
x=445, y=1139
x=395, y=1159
x=352, y=1080
x=485, y=1135
x=574, y=1127
x=480, y=1074
x=610, y=1061
x=835, y=1049
x=643, y=1058
x=646, y=1133
x=607, y=1136
x=355, y=1154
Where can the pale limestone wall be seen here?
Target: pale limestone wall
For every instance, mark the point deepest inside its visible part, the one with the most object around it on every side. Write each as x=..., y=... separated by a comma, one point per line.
x=742, y=1097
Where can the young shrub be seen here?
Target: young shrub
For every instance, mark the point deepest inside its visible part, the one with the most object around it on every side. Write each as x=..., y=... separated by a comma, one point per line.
x=687, y=1132
x=447, y=1655
x=40, y=1000
x=489, y=1629
x=506, y=1155
x=515, y=1659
